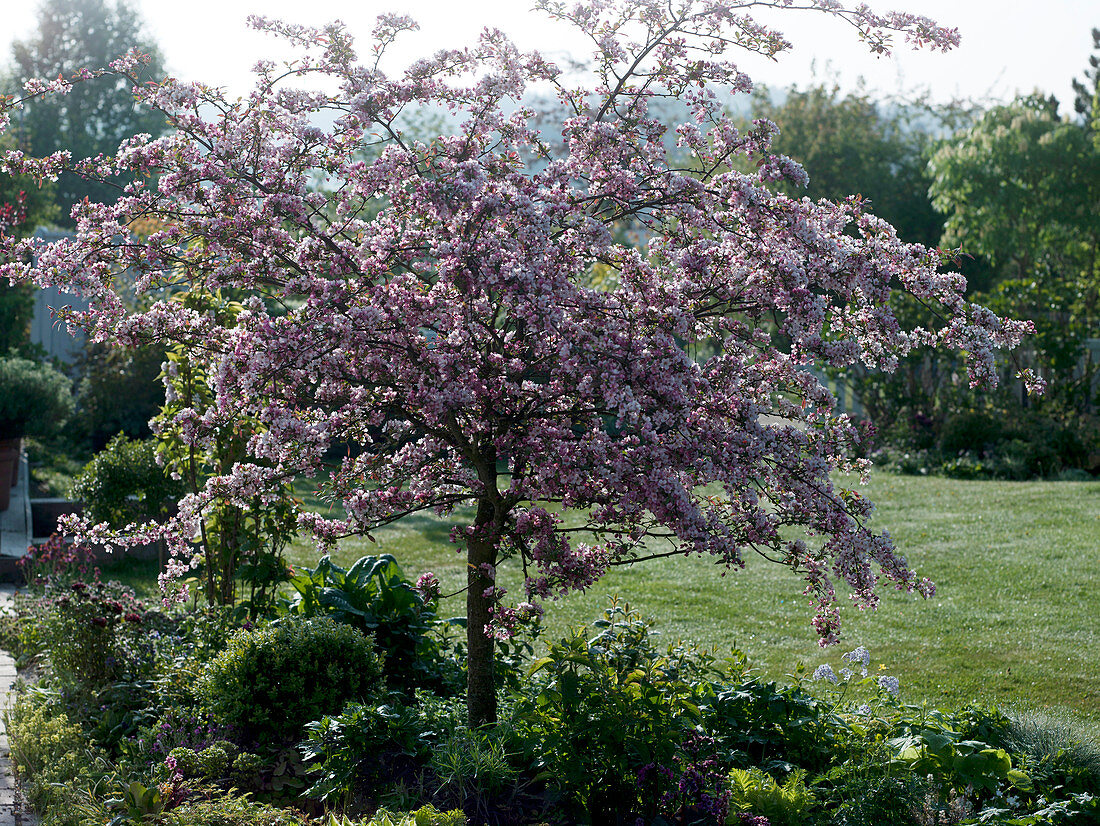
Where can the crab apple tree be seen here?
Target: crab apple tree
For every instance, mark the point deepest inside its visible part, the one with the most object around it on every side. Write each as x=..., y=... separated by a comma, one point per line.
x=436, y=304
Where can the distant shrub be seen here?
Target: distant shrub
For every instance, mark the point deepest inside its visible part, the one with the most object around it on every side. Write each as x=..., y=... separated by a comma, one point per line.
x=123, y=483
x=35, y=399
x=108, y=375
x=270, y=682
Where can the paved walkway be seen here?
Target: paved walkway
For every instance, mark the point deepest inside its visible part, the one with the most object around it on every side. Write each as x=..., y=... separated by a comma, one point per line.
x=12, y=807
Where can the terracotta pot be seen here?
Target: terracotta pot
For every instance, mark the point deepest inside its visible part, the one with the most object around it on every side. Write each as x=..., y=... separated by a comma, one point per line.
x=16, y=445
x=7, y=459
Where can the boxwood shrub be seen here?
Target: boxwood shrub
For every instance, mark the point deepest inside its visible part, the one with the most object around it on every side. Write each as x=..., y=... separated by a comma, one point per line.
x=269, y=682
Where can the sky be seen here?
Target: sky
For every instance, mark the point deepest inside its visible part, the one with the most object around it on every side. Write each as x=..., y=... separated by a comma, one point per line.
x=1008, y=46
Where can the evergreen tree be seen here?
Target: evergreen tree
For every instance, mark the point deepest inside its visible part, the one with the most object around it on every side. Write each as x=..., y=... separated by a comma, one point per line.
x=96, y=115
x=1087, y=93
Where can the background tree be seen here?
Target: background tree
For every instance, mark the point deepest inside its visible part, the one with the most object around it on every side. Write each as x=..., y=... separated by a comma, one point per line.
x=1020, y=189
x=452, y=334
x=97, y=115
x=24, y=205
x=1086, y=93
x=852, y=144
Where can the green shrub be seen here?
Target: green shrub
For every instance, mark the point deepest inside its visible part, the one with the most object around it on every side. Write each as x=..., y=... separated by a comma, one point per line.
x=269, y=682
x=35, y=399
x=374, y=596
x=108, y=374
x=612, y=707
x=210, y=763
x=970, y=431
x=123, y=483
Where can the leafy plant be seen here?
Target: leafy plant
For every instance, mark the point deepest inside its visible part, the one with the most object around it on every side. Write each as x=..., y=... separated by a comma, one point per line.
x=123, y=483
x=86, y=630
x=609, y=706
x=270, y=681
x=369, y=744
x=374, y=597
x=471, y=771
x=757, y=792
x=35, y=399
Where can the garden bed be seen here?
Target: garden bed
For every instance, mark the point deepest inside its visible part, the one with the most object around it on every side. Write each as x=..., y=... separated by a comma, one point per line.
x=344, y=707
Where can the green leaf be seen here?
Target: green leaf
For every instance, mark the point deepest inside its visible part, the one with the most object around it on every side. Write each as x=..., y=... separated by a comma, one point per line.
x=1020, y=780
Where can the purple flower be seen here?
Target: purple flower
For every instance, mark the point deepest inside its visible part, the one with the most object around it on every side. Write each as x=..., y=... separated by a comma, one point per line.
x=889, y=684
x=825, y=672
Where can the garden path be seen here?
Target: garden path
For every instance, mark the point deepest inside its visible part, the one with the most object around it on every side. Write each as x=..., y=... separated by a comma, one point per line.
x=13, y=810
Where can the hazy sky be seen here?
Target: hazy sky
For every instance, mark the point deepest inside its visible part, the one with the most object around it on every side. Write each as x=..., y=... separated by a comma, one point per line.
x=1007, y=45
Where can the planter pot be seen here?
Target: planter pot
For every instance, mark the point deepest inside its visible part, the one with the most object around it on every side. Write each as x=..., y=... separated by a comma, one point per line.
x=8, y=445
x=46, y=512
x=7, y=459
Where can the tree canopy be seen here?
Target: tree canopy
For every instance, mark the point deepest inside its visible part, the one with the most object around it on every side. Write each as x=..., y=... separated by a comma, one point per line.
x=1020, y=188
x=435, y=308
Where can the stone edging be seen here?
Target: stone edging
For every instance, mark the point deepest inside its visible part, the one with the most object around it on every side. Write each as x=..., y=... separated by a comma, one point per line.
x=13, y=810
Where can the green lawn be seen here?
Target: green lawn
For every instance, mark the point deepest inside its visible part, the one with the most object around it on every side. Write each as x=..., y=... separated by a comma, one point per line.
x=1015, y=619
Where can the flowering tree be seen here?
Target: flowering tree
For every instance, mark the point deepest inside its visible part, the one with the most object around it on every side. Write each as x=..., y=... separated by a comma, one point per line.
x=436, y=307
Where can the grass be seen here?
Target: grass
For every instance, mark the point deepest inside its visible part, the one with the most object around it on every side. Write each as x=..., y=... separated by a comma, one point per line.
x=1015, y=619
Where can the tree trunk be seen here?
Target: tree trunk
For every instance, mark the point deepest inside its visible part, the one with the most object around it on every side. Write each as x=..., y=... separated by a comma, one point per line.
x=481, y=696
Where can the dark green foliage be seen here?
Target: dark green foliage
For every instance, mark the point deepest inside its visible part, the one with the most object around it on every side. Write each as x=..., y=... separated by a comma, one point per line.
x=109, y=374
x=765, y=724
x=269, y=682
x=17, y=310
x=472, y=771
x=123, y=483
x=35, y=399
x=92, y=634
x=974, y=431
x=97, y=114
x=606, y=708
x=984, y=444
x=24, y=205
x=364, y=745
x=374, y=596
x=851, y=144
